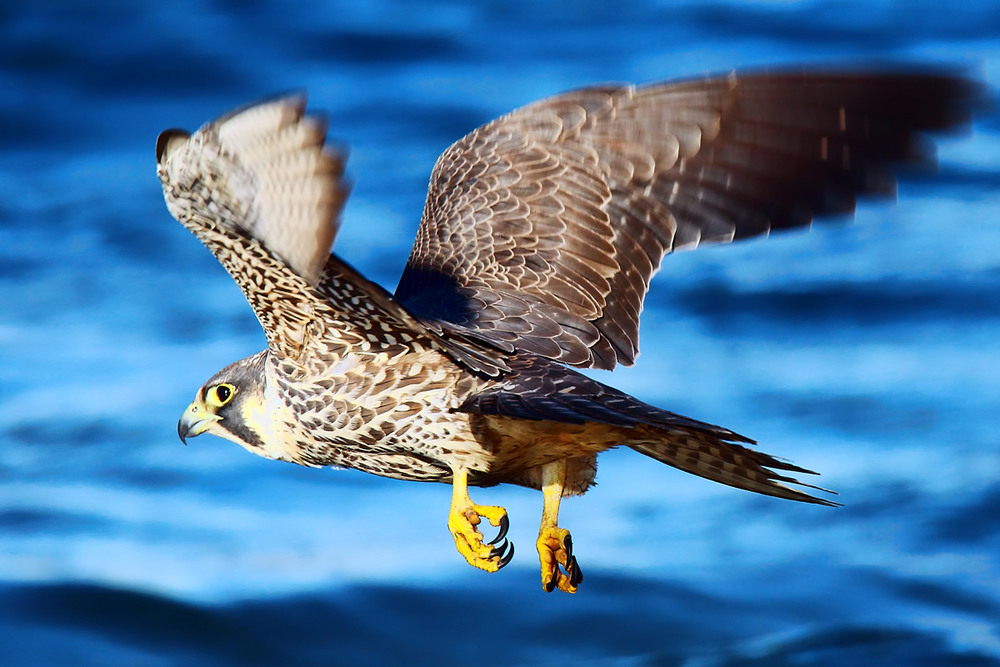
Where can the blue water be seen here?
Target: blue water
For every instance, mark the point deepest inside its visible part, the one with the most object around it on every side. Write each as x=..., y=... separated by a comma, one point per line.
x=867, y=351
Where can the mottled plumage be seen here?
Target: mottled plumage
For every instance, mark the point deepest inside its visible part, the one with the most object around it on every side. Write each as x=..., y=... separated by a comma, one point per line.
x=538, y=241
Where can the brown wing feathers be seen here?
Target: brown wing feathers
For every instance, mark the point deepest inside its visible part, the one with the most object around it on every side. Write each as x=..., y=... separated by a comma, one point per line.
x=543, y=228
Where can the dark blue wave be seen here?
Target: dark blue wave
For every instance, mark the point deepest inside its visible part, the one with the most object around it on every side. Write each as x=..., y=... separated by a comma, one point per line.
x=865, y=304
x=825, y=25
x=975, y=522
x=617, y=618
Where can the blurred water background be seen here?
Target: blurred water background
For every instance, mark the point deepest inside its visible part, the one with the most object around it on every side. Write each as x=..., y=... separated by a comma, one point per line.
x=868, y=351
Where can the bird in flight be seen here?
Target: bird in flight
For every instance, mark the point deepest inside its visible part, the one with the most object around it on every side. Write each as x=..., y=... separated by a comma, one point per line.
x=539, y=237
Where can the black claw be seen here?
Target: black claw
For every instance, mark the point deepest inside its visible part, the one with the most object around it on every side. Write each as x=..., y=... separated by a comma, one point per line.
x=575, y=573
x=550, y=585
x=504, y=552
x=498, y=549
x=568, y=545
x=506, y=559
x=504, y=526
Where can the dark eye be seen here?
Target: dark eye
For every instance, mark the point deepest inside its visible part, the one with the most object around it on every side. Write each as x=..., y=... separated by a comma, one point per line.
x=219, y=395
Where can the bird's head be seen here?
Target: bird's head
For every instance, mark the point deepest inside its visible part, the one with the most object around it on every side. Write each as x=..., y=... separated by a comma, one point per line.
x=230, y=405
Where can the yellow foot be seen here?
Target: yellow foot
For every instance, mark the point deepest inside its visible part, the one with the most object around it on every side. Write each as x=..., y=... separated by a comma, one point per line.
x=491, y=556
x=555, y=548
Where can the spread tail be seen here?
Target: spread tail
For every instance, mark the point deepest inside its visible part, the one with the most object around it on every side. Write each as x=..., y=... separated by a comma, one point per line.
x=709, y=454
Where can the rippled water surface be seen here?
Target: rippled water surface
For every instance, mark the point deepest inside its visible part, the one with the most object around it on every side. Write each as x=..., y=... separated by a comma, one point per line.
x=867, y=351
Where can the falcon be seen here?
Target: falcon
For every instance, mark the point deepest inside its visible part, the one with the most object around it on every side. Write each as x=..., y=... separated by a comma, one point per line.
x=539, y=237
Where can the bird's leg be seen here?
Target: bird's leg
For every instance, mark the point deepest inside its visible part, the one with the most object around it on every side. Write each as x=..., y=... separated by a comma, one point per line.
x=462, y=522
x=555, y=546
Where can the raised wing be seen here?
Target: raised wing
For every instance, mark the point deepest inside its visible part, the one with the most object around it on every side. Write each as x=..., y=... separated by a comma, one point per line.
x=258, y=189
x=542, y=229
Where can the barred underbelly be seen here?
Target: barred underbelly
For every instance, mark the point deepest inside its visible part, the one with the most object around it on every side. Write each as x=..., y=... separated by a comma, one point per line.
x=410, y=467
x=424, y=444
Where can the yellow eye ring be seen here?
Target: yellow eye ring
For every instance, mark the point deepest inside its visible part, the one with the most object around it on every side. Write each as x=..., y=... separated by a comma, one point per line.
x=220, y=394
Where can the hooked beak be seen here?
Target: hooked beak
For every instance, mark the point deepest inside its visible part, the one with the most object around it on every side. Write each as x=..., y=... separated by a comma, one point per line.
x=195, y=421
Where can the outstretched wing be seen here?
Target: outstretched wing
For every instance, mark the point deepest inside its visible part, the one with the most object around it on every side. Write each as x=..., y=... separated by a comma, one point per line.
x=542, y=229
x=258, y=189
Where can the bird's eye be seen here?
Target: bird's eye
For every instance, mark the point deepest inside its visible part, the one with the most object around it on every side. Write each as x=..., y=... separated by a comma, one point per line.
x=221, y=394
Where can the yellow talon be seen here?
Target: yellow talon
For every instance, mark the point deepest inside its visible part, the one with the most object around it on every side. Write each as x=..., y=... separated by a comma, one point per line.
x=555, y=546
x=462, y=522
